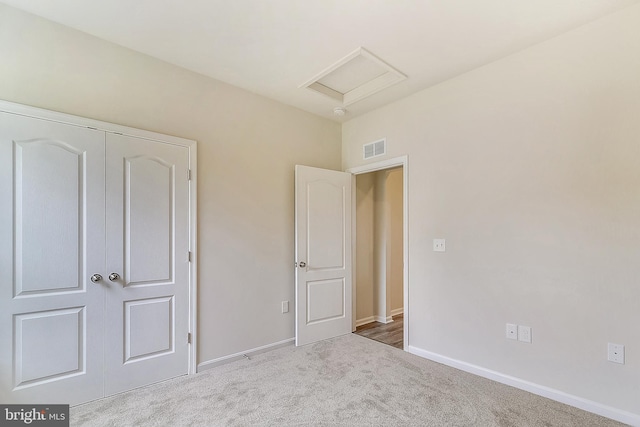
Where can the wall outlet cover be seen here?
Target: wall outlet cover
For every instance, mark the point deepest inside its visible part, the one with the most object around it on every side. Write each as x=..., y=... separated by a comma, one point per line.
x=524, y=333
x=439, y=245
x=615, y=353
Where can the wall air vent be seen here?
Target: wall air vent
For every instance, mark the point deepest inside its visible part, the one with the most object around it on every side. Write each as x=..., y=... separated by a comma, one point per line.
x=374, y=149
x=354, y=77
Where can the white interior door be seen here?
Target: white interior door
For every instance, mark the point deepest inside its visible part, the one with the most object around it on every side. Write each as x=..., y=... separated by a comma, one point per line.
x=51, y=243
x=147, y=247
x=323, y=254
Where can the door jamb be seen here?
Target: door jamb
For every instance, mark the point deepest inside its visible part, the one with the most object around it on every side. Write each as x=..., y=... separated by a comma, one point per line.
x=374, y=167
x=193, y=259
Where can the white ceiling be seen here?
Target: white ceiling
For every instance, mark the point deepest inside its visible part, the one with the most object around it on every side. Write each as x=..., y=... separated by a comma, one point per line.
x=271, y=47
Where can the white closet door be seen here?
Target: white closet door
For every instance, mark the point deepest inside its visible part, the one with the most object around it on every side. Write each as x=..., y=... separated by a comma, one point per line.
x=147, y=247
x=51, y=243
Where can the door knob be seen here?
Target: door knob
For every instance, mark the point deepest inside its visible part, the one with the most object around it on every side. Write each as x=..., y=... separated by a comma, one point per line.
x=114, y=276
x=303, y=264
x=96, y=278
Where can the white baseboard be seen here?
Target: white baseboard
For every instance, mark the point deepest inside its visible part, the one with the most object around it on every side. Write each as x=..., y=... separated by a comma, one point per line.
x=380, y=319
x=365, y=321
x=383, y=319
x=237, y=356
x=397, y=311
x=540, y=390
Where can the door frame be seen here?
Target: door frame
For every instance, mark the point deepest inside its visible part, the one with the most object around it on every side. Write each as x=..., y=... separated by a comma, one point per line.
x=39, y=113
x=402, y=161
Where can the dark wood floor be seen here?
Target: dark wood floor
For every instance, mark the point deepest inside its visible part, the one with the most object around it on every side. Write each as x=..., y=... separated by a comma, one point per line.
x=387, y=333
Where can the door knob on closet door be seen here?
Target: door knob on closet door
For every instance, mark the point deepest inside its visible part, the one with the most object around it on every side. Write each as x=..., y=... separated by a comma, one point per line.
x=96, y=278
x=114, y=276
x=302, y=264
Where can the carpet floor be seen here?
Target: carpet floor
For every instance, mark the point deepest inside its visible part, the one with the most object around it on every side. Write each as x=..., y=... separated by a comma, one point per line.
x=345, y=381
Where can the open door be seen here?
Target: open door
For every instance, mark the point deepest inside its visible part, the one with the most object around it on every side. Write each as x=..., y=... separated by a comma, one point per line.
x=323, y=254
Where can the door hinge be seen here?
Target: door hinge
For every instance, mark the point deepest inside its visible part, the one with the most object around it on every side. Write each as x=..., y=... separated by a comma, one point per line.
x=189, y=256
x=189, y=338
x=188, y=174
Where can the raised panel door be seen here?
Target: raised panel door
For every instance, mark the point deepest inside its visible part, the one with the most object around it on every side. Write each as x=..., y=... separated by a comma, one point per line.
x=51, y=242
x=147, y=246
x=323, y=254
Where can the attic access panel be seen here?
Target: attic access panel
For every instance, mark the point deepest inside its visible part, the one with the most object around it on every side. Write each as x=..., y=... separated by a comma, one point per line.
x=356, y=76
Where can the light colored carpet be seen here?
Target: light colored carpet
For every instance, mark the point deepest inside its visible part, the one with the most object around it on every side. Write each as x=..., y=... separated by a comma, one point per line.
x=346, y=381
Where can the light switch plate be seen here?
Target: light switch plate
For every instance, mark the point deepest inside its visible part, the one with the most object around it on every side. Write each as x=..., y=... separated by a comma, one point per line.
x=439, y=245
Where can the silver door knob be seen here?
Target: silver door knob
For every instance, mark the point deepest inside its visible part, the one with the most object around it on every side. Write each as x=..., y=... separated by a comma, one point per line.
x=114, y=276
x=302, y=264
x=96, y=278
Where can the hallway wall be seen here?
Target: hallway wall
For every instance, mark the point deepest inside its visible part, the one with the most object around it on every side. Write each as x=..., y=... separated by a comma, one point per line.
x=379, y=253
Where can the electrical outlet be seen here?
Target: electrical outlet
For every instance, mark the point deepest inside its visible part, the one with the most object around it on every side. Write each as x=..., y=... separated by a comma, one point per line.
x=615, y=353
x=439, y=245
x=285, y=307
x=524, y=333
x=512, y=331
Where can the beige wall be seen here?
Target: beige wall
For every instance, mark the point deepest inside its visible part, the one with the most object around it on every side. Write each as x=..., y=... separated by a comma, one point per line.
x=380, y=291
x=530, y=168
x=379, y=284
x=394, y=231
x=365, y=223
x=247, y=148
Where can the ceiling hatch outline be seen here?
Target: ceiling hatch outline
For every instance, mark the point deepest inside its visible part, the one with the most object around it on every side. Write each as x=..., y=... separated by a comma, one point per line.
x=356, y=76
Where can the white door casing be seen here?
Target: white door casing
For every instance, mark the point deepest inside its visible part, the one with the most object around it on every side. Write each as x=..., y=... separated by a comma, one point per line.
x=403, y=162
x=63, y=338
x=323, y=254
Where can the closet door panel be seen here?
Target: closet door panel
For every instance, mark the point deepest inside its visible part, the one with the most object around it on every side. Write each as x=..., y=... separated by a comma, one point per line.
x=147, y=247
x=148, y=220
x=51, y=242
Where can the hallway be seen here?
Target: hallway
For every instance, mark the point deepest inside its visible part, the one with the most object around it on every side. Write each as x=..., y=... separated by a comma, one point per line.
x=387, y=333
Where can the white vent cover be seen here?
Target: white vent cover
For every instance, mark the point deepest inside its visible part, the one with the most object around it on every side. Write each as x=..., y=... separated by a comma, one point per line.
x=354, y=77
x=374, y=149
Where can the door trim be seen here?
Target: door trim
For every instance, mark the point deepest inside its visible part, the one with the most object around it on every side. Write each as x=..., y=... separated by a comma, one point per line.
x=193, y=248
x=374, y=167
x=53, y=116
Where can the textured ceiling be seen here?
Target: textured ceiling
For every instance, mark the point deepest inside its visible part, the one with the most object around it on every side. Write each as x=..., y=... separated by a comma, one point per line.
x=271, y=47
